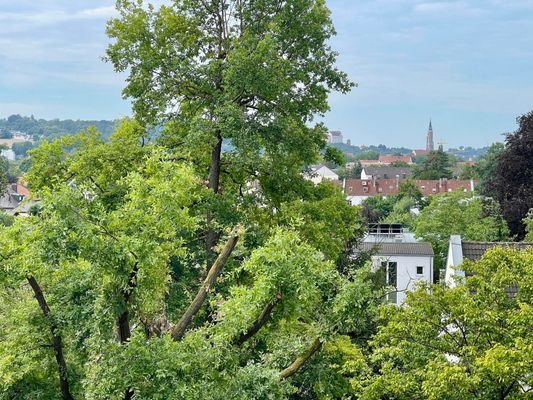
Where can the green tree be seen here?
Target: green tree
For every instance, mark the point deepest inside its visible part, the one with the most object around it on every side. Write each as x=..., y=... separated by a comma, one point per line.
x=101, y=289
x=409, y=189
x=469, y=172
x=350, y=173
x=459, y=213
x=528, y=222
x=486, y=167
x=399, y=163
x=472, y=341
x=511, y=184
x=377, y=208
x=237, y=71
x=367, y=155
x=170, y=269
x=22, y=148
x=436, y=165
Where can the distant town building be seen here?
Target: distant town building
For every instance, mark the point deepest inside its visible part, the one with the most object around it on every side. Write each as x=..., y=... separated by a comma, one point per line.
x=348, y=142
x=385, y=172
x=419, y=152
x=357, y=190
x=429, y=139
x=9, y=154
x=335, y=137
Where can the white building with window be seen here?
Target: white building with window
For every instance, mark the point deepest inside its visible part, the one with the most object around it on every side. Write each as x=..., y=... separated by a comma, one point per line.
x=403, y=260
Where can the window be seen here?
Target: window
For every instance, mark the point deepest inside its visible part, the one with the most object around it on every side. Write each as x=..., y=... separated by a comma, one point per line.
x=420, y=270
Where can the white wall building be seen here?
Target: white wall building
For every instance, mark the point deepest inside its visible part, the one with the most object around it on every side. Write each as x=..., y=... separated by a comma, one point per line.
x=335, y=137
x=403, y=261
x=459, y=250
x=9, y=154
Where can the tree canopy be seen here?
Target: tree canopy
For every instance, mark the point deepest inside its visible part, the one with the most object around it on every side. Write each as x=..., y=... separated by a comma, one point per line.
x=511, y=182
x=470, y=342
x=459, y=213
x=436, y=165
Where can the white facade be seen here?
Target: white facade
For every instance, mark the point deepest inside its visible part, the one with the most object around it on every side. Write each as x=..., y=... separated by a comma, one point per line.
x=335, y=137
x=403, y=261
x=409, y=270
x=454, y=273
x=9, y=154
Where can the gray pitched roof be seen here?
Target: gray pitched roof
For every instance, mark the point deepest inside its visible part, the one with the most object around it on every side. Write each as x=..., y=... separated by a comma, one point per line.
x=386, y=172
x=474, y=250
x=397, y=249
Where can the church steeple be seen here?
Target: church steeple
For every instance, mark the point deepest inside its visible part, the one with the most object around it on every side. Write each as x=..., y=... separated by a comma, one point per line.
x=429, y=138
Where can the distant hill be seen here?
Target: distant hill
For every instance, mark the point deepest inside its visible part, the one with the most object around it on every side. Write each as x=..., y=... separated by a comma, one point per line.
x=39, y=129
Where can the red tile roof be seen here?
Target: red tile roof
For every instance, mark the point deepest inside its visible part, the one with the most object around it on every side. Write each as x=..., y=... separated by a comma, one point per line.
x=390, y=159
x=385, y=187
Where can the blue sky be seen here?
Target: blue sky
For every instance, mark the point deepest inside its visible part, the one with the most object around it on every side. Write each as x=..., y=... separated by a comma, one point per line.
x=466, y=64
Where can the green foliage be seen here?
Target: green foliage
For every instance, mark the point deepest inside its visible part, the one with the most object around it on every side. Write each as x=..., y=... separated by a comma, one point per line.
x=49, y=129
x=401, y=213
x=486, y=167
x=435, y=166
x=400, y=163
x=377, y=208
x=333, y=155
x=469, y=342
x=459, y=213
x=349, y=173
x=22, y=148
x=511, y=184
x=367, y=155
x=469, y=172
x=528, y=222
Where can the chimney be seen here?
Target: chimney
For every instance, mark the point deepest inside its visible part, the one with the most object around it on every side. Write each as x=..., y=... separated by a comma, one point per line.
x=471, y=184
x=397, y=181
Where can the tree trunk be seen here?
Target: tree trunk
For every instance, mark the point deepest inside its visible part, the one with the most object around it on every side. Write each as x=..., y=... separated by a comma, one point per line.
x=301, y=360
x=57, y=343
x=179, y=329
x=123, y=322
x=261, y=320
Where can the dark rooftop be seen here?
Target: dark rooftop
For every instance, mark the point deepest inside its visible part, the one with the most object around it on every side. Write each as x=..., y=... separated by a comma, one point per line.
x=473, y=251
x=397, y=249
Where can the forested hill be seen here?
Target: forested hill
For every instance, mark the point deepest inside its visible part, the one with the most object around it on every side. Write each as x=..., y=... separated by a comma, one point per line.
x=49, y=129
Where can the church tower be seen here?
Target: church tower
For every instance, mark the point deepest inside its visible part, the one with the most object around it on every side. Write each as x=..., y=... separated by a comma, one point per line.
x=429, y=138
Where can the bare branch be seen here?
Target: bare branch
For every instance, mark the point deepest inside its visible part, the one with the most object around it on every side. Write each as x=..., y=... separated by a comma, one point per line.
x=261, y=320
x=301, y=360
x=57, y=343
x=179, y=329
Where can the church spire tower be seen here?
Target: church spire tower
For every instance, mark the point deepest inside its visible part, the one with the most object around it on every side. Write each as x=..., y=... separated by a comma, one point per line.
x=429, y=138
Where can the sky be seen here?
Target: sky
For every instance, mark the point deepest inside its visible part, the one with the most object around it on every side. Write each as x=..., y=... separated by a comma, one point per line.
x=467, y=65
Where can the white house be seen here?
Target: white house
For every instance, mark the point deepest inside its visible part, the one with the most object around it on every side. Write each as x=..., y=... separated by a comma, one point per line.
x=459, y=250
x=403, y=260
x=318, y=174
x=9, y=154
